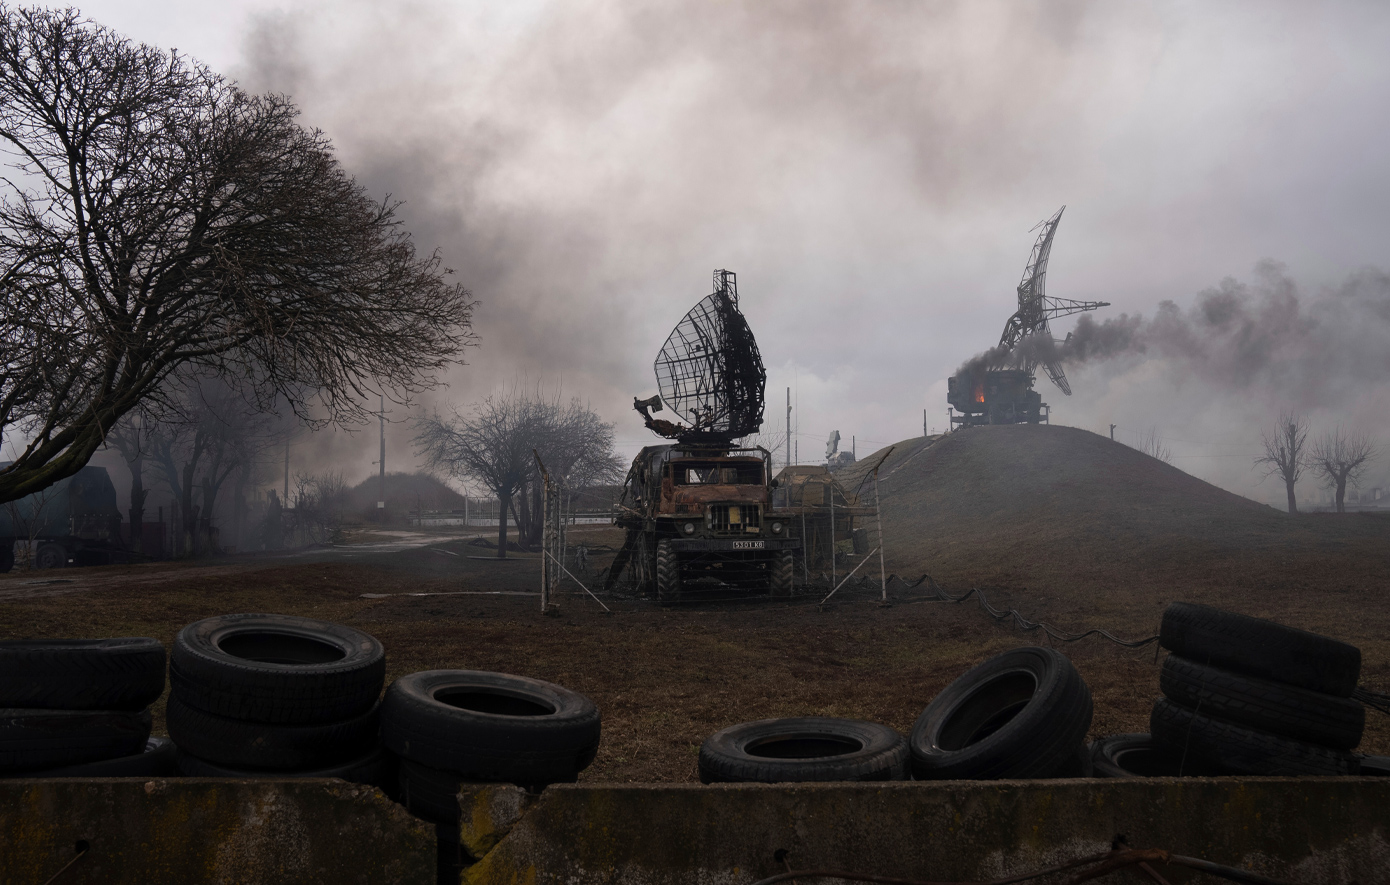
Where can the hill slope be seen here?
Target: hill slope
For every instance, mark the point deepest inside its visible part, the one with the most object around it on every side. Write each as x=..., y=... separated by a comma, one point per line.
x=1041, y=505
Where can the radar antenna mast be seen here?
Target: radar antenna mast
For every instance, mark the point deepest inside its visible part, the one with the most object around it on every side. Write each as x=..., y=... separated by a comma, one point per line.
x=709, y=372
x=1035, y=308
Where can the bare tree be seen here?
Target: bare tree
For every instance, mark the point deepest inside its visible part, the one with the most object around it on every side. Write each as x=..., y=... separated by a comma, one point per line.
x=319, y=500
x=1151, y=444
x=1284, y=454
x=156, y=218
x=207, y=433
x=1339, y=458
x=494, y=447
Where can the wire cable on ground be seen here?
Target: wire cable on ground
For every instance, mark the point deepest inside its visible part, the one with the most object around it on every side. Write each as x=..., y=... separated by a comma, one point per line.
x=936, y=593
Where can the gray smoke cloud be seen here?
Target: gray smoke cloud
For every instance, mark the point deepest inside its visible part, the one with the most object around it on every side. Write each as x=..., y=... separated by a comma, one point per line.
x=870, y=170
x=1314, y=351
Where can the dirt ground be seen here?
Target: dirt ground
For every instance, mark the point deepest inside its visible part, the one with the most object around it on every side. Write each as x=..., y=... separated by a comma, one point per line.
x=664, y=680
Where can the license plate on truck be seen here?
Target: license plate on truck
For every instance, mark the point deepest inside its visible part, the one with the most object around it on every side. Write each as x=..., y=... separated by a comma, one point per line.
x=750, y=545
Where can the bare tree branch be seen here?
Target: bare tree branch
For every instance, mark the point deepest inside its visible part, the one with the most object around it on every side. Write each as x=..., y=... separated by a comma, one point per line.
x=156, y=218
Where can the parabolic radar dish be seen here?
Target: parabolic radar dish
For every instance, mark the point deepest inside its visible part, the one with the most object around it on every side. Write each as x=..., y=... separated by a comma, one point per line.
x=710, y=372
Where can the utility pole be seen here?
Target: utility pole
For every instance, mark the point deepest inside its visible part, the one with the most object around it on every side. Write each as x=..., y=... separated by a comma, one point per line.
x=924, y=422
x=286, y=502
x=789, y=427
x=853, y=447
x=381, y=498
x=1112, y=432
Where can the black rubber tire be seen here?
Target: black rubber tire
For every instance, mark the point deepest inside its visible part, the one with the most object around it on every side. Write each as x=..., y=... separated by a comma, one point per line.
x=50, y=555
x=1263, y=705
x=6, y=556
x=1136, y=755
x=276, y=668
x=430, y=793
x=491, y=726
x=158, y=760
x=272, y=746
x=1237, y=749
x=1020, y=714
x=668, y=574
x=1261, y=648
x=803, y=750
x=1373, y=766
x=81, y=674
x=376, y=768
x=781, y=575
x=36, y=740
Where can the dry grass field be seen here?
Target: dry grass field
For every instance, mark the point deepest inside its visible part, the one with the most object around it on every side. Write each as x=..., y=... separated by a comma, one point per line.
x=1063, y=525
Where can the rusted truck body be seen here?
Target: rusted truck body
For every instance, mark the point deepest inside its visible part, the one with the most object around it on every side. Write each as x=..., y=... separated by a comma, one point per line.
x=704, y=515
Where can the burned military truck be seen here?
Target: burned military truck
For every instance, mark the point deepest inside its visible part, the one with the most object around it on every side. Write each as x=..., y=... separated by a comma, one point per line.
x=699, y=510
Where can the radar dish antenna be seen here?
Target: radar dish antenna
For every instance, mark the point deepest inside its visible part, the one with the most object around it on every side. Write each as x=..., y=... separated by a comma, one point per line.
x=1035, y=308
x=709, y=372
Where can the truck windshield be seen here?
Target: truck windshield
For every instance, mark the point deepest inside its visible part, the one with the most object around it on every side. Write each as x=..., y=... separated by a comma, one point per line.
x=747, y=473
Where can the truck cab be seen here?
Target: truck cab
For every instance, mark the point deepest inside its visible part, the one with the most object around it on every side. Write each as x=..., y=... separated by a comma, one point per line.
x=705, y=515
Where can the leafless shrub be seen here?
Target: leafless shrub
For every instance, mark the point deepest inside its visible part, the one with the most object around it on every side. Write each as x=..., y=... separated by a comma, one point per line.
x=318, y=501
x=1151, y=444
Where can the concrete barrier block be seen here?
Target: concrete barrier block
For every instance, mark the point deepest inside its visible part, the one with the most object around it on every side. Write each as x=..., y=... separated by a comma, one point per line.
x=205, y=830
x=1324, y=830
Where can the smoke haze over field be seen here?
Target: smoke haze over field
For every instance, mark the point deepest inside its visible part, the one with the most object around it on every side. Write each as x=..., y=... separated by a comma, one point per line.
x=871, y=170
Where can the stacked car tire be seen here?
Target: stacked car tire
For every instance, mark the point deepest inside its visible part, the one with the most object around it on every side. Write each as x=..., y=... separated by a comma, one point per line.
x=256, y=695
x=454, y=726
x=79, y=708
x=1244, y=696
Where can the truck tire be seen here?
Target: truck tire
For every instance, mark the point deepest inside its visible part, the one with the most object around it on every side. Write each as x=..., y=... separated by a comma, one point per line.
x=807, y=749
x=668, y=574
x=1263, y=705
x=6, y=556
x=35, y=740
x=376, y=768
x=50, y=555
x=1020, y=714
x=781, y=575
x=125, y=673
x=1235, y=749
x=1136, y=755
x=157, y=760
x=1260, y=648
x=276, y=668
x=490, y=726
x=275, y=747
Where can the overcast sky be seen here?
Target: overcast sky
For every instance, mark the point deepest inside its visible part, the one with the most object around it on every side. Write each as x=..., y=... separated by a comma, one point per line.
x=872, y=171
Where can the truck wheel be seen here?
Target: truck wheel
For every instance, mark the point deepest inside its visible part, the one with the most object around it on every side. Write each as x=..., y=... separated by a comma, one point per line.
x=1020, y=714
x=1260, y=648
x=668, y=574
x=1237, y=749
x=811, y=748
x=490, y=726
x=643, y=568
x=50, y=555
x=123, y=673
x=781, y=574
x=276, y=668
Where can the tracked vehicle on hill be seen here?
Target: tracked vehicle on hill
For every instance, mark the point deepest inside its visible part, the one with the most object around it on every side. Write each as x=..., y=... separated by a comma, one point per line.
x=700, y=509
